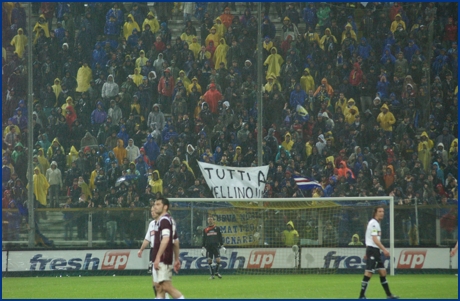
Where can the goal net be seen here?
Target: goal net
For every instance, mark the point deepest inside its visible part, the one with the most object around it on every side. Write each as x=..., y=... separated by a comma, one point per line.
x=295, y=235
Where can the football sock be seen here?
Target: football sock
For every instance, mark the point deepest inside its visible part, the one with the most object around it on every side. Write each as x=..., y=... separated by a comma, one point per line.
x=210, y=269
x=181, y=297
x=217, y=267
x=364, y=284
x=154, y=290
x=383, y=281
x=167, y=296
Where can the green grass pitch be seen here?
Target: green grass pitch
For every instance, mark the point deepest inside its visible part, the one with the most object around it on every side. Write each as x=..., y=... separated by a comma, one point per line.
x=232, y=287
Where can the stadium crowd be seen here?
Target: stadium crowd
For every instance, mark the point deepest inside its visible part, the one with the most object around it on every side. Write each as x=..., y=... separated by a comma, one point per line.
x=364, y=100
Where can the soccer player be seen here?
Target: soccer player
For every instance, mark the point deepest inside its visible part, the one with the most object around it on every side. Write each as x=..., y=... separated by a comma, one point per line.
x=373, y=259
x=212, y=241
x=150, y=239
x=168, y=249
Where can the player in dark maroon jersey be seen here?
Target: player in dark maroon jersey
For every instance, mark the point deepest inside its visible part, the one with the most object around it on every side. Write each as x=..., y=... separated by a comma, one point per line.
x=164, y=258
x=212, y=241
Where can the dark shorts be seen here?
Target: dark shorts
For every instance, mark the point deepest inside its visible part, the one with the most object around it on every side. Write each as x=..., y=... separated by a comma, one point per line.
x=374, y=260
x=212, y=252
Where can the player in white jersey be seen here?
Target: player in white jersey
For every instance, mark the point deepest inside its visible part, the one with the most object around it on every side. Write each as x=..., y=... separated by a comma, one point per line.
x=373, y=258
x=150, y=239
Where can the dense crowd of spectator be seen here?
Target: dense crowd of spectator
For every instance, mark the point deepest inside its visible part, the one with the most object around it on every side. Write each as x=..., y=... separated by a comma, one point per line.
x=364, y=100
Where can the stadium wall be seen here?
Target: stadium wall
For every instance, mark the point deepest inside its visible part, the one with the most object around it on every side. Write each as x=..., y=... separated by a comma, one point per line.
x=342, y=260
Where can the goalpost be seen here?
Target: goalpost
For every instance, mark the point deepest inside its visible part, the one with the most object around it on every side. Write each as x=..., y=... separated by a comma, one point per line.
x=258, y=240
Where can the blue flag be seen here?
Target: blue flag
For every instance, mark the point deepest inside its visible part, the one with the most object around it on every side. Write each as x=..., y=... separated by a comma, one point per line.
x=306, y=184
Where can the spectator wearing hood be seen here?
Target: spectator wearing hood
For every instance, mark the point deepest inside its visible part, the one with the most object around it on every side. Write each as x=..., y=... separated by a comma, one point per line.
x=351, y=111
x=152, y=22
x=274, y=62
x=41, y=186
x=386, y=120
x=19, y=42
x=114, y=113
x=445, y=138
x=397, y=21
x=98, y=116
x=110, y=89
x=327, y=86
x=120, y=151
x=220, y=55
x=157, y=117
x=84, y=76
x=129, y=26
x=355, y=240
x=290, y=236
x=54, y=178
x=307, y=82
x=132, y=151
x=156, y=182
x=298, y=97
x=424, y=151
x=151, y=148
x=441, y=152
x=212, y=98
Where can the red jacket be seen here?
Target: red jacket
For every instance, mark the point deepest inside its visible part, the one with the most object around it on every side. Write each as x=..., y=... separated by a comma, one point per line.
x=212, y=97
x=166, y=87
x=450, y=32
x=356, y=76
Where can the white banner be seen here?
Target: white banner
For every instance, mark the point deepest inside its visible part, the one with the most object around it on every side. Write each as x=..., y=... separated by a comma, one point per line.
x=235, y=182
x=352, y=258
x=191, y=259
x=234, y=258
x=76, y=260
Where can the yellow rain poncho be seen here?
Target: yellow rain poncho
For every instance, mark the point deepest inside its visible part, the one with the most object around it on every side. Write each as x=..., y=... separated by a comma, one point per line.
x=84, y=188
x=50, y=151
x=129, y=25
x=41, y=186
x=220, y=27
x=137, y=77
x=68, y=102
x=220, y=56
x=44, y=163
x=274, y=62
x=57, y=88
x=424, y=151
x=213, y=37
x=72, y=156
x=19, y=42
x=157, y=185
x=307, y=82
x=187, y=38
x=84, y=77
x=41, y=26
x=185, y=80
x=195, y=47
x=154, y=25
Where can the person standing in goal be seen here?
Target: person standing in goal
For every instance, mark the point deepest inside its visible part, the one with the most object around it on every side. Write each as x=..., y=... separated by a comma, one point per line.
x=373, y=258
x=212, y=241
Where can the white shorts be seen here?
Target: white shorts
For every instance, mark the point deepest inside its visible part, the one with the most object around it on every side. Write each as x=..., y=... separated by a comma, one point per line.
x=155, y=275
x=164, y=273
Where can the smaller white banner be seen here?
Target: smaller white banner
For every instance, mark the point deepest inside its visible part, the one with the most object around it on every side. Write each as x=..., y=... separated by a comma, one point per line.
x=352, y=258
x=235, y=182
